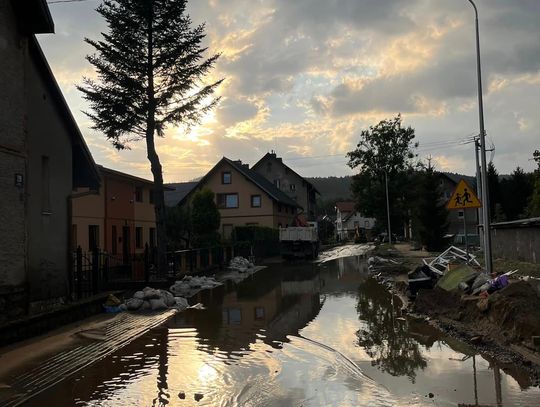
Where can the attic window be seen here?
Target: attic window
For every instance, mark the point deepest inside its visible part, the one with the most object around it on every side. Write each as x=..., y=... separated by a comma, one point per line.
x=292, y=187
x=226, y=177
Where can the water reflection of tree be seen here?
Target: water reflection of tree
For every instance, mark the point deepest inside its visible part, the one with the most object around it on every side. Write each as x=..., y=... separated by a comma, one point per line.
x=384, y=339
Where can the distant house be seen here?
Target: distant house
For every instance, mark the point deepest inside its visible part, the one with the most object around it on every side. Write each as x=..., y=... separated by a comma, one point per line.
x=349, y=221
x=43, y=156
x=447, y=184
x=244, y=197
x=288, y=181
x=177, y=192
x=119, y=218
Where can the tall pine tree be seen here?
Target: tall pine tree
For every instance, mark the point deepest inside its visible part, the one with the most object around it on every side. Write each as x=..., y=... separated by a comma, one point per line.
x=431, y=214
x=150, y=68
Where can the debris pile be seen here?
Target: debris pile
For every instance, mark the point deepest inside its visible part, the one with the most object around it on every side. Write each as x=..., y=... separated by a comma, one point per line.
x=150, y=299
x=191, y=285
x=240, y=264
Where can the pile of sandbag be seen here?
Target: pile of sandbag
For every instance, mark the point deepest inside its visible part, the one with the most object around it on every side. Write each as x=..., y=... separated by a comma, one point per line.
x=240, y=264
x=190, y=285
x=150, y=299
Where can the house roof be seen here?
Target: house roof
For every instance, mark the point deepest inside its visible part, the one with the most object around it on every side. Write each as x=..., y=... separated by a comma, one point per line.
x=346, y=206
x=34, y=16
x=85, y=172
x=455, y=178
x=178, y=192
x=252, y=176
x=520, y=223
x=280, y=160
x=133, y=178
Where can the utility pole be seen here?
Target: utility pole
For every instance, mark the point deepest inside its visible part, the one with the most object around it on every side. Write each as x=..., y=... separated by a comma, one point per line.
x=485, y=192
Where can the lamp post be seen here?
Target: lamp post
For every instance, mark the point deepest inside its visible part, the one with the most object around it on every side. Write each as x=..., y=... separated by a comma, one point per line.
x=485, y=192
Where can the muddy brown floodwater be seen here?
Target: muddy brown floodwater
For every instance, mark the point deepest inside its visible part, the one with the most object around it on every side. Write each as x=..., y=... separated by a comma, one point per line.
x=296, y=335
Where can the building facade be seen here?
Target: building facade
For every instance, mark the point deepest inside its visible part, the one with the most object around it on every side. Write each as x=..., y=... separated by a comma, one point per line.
x=43, y=156
x=289, y=182
x=350, y=222
x=245, y=198
x=119, y=218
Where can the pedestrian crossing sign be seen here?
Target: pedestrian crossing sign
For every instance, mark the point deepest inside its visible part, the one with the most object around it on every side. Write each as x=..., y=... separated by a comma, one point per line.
x=463, y=197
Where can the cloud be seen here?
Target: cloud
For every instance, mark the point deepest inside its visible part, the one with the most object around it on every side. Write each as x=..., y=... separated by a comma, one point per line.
x=304, y=78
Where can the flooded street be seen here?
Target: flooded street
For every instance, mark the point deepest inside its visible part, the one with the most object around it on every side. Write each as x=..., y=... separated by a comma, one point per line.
x=295, y=335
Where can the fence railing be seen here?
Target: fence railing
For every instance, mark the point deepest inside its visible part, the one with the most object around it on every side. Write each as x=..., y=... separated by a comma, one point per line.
x=96, y=271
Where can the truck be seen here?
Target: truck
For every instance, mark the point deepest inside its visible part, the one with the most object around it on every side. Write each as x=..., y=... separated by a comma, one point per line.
x=299, y=241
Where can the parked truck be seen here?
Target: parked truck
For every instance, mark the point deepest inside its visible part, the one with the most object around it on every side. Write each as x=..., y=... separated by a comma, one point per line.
x=299, y=241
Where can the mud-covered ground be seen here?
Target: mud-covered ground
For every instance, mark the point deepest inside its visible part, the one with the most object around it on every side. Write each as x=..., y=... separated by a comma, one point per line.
x=503, y=331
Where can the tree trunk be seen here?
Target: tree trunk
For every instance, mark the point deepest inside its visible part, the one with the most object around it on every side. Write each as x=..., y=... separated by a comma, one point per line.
x=159, y=201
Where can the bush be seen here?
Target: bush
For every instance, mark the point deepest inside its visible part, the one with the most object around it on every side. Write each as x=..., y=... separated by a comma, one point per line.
x=255, y=234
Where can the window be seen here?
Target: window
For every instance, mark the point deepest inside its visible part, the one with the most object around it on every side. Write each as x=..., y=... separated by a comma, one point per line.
x=255, y=201
x=259, y=313
x=114, y=247
x=232, y=316
x=277, y=183
x=366, y=224
x=292, y=187
x=227, y=231
x=45, y=186
x=93, y=237
x=138, y=237
x=74, y=237
x=279, y=208
x=460, y=214
x=138, y=194
x=152, y=237
x=226, y=201
x=226, y=177
x=151, y=196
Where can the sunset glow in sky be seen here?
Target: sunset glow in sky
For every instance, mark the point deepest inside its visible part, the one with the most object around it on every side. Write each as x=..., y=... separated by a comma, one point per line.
x=304, y=77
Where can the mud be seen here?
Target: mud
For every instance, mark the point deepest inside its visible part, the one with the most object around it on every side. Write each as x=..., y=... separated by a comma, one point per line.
x=502, y=332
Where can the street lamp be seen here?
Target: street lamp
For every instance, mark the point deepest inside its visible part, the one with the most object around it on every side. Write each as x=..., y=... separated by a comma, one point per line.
x=485, y=192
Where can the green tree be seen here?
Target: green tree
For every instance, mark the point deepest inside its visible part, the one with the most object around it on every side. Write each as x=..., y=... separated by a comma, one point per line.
x=494, y=190
x=150, y=68
x=205, y=218
x=178, y=226
x=515, y=193
x=534, y=203
x=430, y=211
x=386, y=149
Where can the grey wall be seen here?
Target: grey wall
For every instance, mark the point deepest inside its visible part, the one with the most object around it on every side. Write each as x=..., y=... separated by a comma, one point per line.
x=517, y=243
x=286, y=177
x=48, y=231
x=12, y=151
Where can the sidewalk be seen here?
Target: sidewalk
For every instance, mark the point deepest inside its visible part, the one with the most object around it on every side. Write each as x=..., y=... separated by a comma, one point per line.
x=29, y=368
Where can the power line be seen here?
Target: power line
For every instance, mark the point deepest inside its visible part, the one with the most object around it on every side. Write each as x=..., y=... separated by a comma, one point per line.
x=66, y=1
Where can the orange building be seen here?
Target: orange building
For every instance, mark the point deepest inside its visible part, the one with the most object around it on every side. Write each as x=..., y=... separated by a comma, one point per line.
x=118, y=219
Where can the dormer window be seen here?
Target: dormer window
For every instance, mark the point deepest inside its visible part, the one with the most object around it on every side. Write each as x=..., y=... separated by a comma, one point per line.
x=226, y=177
x=292, y=187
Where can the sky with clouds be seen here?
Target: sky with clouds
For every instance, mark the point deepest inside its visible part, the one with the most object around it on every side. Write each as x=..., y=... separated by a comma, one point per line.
x=304, y=77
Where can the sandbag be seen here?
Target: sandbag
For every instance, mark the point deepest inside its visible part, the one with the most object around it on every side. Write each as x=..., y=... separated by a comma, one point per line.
x=181, y=303
x=134, y=304
x=139, y=294
x=157, y=304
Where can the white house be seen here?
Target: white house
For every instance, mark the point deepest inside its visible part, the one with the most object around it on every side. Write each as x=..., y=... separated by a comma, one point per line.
x=350, y=222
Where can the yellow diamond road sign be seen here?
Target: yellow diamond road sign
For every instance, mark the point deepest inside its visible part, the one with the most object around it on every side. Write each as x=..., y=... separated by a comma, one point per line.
x=463, y=197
